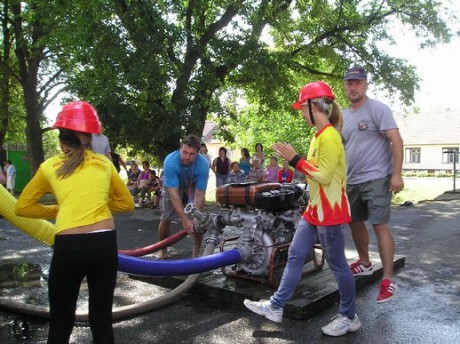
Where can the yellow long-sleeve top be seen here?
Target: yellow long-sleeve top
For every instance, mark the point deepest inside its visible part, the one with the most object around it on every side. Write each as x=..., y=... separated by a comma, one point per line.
x=326, y=171
x=87, y=196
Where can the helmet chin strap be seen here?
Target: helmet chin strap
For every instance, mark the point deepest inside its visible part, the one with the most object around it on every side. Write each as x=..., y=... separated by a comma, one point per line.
x=310, y=111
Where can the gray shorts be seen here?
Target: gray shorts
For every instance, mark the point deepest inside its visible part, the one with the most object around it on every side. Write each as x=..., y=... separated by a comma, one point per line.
x=370, y=201
x=166, y=206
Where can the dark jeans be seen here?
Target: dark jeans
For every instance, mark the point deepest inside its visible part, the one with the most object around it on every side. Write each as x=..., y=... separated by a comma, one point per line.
x=92, y=255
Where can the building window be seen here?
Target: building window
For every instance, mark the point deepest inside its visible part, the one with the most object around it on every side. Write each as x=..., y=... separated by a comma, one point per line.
x=449, y=154
x=413, y=155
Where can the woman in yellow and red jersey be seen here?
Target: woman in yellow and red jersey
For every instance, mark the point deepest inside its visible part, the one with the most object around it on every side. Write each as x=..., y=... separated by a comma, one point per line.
x=87, y=188
x=327, y=211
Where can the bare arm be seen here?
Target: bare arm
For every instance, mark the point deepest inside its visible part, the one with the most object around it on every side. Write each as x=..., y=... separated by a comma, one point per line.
x=176, y=201
x=122, y=162
x=199, y=199
x=393, y=135
x=214, y=165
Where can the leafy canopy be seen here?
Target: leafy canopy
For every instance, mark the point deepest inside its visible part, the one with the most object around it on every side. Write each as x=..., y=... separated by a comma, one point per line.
x=157, y=69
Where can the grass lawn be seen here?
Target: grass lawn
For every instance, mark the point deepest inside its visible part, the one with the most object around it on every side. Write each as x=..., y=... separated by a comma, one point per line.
x=418, y=189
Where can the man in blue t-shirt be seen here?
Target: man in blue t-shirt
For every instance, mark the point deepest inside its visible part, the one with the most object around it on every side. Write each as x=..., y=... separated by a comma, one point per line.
x=185, y=179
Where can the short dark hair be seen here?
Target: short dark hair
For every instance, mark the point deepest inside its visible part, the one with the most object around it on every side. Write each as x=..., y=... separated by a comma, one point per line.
x=223, y=149
x=192, y=141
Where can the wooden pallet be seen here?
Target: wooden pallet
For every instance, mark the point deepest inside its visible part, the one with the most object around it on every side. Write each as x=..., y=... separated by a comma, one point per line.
x=314, y=292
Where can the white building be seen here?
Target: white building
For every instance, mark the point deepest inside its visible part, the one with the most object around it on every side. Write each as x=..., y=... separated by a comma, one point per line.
x=431, y=141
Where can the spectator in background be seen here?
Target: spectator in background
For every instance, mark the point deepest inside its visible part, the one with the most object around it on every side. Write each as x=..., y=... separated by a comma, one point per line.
x=236, y=175
x=271, y=172
x=285, y=174
x=131, y=165
x=204, y=152
x=256, y=174
x=221, y=167
x=144, y=183
x=155, y=191
x=245, y=161
x=10, y=176
x=117, y=161
x=2, y=176
x=259, y=154
x=100, y=144
x=299, y=177
x=133, y=175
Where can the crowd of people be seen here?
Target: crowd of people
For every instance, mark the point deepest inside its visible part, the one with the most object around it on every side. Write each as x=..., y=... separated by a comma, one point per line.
x=353, y=166
x=251, y=169
x=8, y=176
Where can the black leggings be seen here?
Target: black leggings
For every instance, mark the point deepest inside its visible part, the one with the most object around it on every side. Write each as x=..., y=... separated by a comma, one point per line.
x=92, y=255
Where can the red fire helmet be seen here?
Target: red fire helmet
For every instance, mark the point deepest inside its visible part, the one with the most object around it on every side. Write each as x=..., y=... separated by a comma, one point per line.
x=313, y=90
x=79, y=116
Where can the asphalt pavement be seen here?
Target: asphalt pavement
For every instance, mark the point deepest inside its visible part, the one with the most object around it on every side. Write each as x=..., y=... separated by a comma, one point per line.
x=426, y=308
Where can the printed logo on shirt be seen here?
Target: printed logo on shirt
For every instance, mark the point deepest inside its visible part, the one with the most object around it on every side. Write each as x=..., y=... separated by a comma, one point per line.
x=362, y=125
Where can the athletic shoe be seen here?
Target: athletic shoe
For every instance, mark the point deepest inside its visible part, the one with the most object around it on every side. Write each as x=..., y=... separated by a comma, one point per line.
x=387, y=291
x=264, y=307
x=358, y=269
x=341, y=325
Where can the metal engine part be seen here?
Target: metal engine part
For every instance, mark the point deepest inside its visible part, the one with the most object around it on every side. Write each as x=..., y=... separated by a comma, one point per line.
x=261, y=245
x=264, y=230
x=268, y=231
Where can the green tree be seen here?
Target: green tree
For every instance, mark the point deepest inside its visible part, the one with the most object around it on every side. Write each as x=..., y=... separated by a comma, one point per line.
x=26, y=27
x=5, y=76
x=12, y=119
x=156, y=69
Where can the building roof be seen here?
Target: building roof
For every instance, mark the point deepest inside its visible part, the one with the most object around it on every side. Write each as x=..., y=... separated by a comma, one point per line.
x=208, y=131
x=430, y=128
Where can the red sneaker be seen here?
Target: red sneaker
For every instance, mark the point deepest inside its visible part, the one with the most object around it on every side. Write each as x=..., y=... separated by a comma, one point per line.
x=387, y=291
x=359, y=269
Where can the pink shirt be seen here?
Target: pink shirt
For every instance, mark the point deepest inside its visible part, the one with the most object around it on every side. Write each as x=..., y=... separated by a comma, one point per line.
x=271, y=173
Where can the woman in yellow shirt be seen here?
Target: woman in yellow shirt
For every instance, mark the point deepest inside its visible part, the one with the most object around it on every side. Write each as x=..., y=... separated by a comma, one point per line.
x=327, y=212
x=87, y=188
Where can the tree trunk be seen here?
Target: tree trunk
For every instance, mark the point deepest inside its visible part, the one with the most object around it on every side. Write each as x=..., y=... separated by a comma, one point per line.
x=33, y=129
x=4, y=80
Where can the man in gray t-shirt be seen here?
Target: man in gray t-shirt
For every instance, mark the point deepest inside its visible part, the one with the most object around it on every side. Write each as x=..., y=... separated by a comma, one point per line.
x=374, y=151
x=100, y=144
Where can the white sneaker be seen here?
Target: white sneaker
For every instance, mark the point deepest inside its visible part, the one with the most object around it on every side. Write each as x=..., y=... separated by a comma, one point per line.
x=264, y=307
x=341, y=325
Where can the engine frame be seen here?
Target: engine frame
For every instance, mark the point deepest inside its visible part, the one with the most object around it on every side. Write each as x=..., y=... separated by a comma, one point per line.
x=274, y=258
